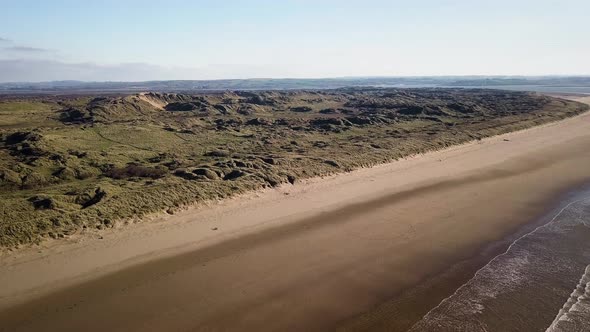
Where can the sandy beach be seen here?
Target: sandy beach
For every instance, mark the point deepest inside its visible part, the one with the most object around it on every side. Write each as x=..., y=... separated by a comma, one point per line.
x=346, y=251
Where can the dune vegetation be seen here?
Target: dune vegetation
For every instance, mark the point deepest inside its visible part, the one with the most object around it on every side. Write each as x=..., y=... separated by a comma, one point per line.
x=74, y=162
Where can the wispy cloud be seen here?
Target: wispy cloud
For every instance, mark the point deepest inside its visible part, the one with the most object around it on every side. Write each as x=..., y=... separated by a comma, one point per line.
x=26, y=49
x=4, y=40
x=37, y=70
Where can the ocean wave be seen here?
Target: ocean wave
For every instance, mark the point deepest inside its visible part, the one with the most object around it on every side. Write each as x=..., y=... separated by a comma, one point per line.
x=575, y=314
x=522, y=288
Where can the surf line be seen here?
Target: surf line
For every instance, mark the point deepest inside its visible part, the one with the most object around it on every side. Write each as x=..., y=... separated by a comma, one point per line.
x=496, y=257
x=583, y=289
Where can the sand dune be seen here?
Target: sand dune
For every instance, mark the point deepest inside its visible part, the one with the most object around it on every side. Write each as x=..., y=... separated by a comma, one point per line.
x=344, y=251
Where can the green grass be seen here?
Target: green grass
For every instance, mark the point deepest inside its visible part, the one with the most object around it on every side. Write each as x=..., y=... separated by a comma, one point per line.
x=27, y=114
x=71, y=164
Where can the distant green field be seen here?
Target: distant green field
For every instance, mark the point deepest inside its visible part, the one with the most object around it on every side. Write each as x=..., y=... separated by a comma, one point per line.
x=26, y=114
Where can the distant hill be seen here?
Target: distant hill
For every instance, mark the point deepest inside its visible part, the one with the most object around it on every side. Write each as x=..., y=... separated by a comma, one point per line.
x=500, y=82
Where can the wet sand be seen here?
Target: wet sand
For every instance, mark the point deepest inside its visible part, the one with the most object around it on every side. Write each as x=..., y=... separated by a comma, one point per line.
x=545, y=271
x=336, y=252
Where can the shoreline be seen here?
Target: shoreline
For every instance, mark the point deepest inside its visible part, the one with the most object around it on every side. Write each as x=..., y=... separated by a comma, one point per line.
x=537, y=270
x=418, y=176
x=413, y=303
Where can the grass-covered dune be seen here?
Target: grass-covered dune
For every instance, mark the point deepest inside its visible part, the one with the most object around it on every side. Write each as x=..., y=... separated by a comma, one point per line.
x=93, y=161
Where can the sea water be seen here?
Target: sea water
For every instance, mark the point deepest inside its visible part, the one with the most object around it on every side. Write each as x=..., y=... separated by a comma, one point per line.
x=540, y=283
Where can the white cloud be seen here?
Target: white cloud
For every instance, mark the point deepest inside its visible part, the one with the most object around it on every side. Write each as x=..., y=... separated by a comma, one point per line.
x=26, y=49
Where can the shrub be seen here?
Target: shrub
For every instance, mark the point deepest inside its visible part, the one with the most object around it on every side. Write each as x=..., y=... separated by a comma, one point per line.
x=135, y=171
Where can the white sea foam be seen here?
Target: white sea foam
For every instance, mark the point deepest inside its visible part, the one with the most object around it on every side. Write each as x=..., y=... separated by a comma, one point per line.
x=576, y=311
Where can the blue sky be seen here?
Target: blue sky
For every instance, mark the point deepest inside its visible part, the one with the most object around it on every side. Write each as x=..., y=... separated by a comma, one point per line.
x=144, y=40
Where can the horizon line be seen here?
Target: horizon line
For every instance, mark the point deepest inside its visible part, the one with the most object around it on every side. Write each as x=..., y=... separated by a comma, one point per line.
x=317, y=78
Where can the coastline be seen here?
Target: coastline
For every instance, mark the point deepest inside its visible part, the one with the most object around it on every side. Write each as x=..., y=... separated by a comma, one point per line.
x=476, y=166
x=537, y=270
x=413, y=303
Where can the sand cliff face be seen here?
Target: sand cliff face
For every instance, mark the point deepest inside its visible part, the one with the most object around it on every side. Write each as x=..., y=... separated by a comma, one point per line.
x=70, y=163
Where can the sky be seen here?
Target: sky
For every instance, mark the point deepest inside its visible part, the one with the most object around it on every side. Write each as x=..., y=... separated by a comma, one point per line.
x=174, y=39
